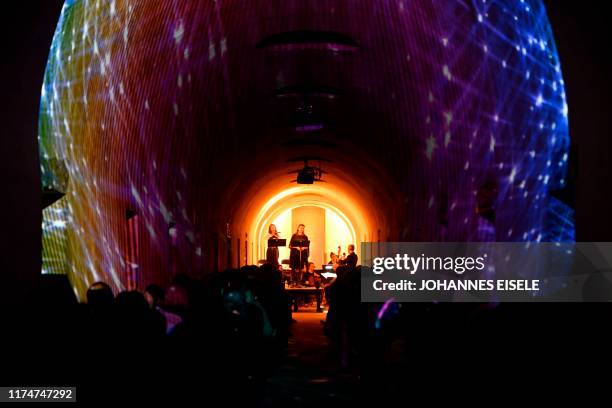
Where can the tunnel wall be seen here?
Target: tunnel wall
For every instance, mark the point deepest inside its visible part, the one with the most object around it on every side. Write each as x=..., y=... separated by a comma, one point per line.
x=158, y=117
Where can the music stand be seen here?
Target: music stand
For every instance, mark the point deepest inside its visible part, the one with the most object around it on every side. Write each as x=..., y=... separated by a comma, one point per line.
x=276, y=242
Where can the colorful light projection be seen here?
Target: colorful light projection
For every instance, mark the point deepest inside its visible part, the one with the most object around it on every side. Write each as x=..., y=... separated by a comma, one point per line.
x=140, y=98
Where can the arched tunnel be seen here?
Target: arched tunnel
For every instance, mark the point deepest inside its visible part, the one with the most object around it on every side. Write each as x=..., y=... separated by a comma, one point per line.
x=172, y=133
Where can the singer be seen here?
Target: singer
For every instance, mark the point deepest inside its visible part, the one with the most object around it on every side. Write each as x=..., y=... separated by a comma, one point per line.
x=272, y=252
x=298, y=258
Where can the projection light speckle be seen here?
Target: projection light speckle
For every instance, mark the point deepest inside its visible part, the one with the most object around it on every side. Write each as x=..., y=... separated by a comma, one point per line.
x=140, y=98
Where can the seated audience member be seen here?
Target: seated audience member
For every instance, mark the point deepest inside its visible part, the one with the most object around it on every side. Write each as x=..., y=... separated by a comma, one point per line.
x=135, y=318
x=155, y=296
x=100, y=294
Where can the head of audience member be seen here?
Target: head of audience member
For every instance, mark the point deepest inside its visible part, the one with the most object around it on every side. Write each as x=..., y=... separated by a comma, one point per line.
x=333, y=257
x=311, y=267
x=155, y=295
x=270, y=273
x=132, y=300
x=176, y=296
x=100, y=294
x=351, y=248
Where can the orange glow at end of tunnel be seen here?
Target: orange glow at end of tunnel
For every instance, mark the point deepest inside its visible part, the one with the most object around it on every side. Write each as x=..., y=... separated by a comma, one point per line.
x=349, y=218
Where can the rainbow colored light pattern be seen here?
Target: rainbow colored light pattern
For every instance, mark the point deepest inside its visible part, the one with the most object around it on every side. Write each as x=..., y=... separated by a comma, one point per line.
x=124, y=78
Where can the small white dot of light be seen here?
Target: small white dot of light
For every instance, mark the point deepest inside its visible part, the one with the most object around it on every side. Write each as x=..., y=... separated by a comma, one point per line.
x=510, y=232
x=211, y=51
x=548, y=163
x=447, y=138
x=504, y=64
x=178, y=32
x=186, y=53
x=541, y=125
x=539, y=100
x=480, y=18
x=176, y=109
x=467, y=165
x=431, y=146
x=512, y=175
x=522, y=185
x=446, y=72
x=448, y=116
x=546, y=179
x=445, y=41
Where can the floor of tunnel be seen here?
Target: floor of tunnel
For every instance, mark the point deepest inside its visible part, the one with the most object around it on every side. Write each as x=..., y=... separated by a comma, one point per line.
x=312, y=373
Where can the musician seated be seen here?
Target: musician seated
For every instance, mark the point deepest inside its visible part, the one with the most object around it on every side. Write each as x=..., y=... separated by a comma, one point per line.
x=313, y=279
x=333, y=260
